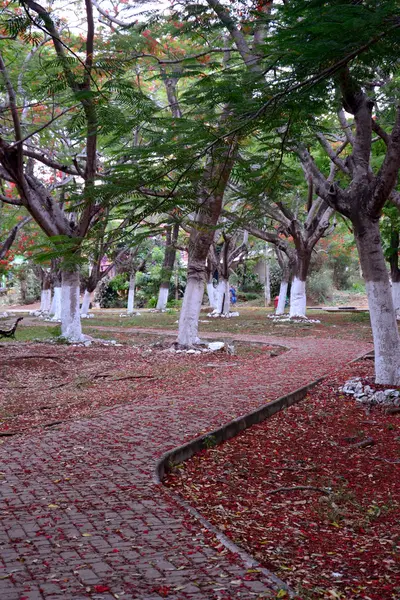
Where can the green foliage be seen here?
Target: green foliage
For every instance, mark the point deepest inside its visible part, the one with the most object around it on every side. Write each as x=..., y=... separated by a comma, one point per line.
x=275, y=275
x=247, y=296
x=319, y=286
x=112, y=293
x=359, y=287
x=152, y=302
x=29, y=284
x=174, y=303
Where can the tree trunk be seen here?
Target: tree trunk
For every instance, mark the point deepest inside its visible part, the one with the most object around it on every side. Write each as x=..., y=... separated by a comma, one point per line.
x=211, y=191
x=45, y=301
x=163, y=296
x=168, y=266
x=176, y=283
x=223, y=297
x=298, y=297
x=383, y=317
x=280, y=309
x=212, y=295
x=131, y=293
x=267, y=283
x=87, y=299
x=189, y=317
x=45, y=295
x=394, y=270
x=396, y=296
x=55, y=309
x=70, y=317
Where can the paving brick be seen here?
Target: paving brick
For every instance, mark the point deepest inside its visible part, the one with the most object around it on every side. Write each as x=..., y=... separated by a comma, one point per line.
x=114, y=529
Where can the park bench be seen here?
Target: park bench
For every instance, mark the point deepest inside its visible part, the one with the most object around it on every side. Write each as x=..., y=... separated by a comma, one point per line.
x=10, y=333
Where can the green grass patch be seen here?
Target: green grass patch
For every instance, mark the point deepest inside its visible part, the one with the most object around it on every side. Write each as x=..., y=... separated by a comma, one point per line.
x=25, y=333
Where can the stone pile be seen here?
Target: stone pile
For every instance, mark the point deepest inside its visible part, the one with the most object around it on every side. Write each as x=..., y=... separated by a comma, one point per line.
x=287, y=319
x=367, y=395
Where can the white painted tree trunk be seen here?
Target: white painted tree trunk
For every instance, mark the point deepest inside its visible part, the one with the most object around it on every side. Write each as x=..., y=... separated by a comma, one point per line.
x=211, y=293
x=131, y=293
x=55, y=309
x=70, y=318
x=267, y=284
x=163, y=296
x=87, y=298
x=298, y=298
x=190, y=312
x=396, y=296
x=386, y=335
x=381, y=309
x=223, y=297
x=53, y=303
x=45, y=301
x=280, y=309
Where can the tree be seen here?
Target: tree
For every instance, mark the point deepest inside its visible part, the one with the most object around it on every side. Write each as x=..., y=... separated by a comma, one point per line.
x=391, y=238
x=361, y=189
x=74, y=91
x=11, y=236
x=171, y=240
x=223, y=257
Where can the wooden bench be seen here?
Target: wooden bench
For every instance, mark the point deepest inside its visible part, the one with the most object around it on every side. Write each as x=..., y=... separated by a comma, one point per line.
x=10, y=333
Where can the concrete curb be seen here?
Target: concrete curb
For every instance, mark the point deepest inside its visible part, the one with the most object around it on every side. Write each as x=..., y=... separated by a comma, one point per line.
x=217, y=436
x=229, y=430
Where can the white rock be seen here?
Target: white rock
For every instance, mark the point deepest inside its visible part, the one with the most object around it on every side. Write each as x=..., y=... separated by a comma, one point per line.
x=379, y=397
x=215, y=346
x=389, y=392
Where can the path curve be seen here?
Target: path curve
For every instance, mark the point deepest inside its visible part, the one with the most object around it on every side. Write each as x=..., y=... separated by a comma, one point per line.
x=80, y=514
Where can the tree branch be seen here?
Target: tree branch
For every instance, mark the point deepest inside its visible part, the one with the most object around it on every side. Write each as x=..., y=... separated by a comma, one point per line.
x=356, y=102
x=346, y=127
x=248, y=57
x=381, y=132
x=62, y=113
x=38, y=155
x=12, y=235
x=332, y=154
x=388, y=173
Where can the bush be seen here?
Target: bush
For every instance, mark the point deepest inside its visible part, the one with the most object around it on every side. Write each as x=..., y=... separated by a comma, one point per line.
x=29, y=284
x=319, y=286
x=275, y=276
x=152, y=302
x=174, y=303
x=113, y=293
x=247, y=296
x=358, y=287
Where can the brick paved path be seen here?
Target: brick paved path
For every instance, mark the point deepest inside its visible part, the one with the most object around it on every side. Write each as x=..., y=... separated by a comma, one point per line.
x=81, y=516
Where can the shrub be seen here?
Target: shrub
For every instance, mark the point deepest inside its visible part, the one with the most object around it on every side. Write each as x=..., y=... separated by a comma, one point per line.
x=275, y=276
x=359, y=287
x=29, y=284
x=112, y=293
x=319, y=286
x=247, y=296
x=174, y=303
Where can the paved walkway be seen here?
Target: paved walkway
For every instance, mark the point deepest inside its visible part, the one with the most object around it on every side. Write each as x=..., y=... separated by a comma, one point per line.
x=81, y=516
